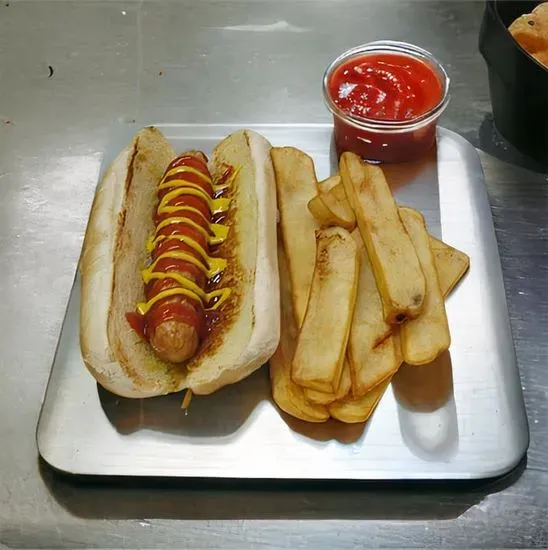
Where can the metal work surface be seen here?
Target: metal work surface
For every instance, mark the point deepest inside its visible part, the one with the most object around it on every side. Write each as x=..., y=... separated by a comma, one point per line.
x=474, y=425
x=68, y=70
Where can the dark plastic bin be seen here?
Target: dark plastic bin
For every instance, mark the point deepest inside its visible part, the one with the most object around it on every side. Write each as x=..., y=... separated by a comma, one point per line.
x=518, y=83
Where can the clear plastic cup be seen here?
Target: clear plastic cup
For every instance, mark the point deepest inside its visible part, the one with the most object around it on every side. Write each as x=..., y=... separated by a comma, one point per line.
x=386, y=140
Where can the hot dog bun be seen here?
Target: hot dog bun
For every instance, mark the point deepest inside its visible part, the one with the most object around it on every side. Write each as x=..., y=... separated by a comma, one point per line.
x=114, y=252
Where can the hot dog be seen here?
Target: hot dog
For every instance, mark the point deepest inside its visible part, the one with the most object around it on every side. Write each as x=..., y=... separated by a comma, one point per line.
x=173, y=319
x=179, y=283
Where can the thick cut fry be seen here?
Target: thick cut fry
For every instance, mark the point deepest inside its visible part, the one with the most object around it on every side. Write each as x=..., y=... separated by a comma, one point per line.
x=397, y=270
x=323, y=214
x=371, y=353
x=327, y=184
x=376, y=365
x=287, y=395
x=449, y=257
x=451, y=264
x=371, y=366
x=344, y=389
x=424, y=338
x=296, y=185
x=322, y=342
x=337, y=201
x=339, y=206
x=340, y=194
x=353, y=411
x=329, y=211
x=330, y=207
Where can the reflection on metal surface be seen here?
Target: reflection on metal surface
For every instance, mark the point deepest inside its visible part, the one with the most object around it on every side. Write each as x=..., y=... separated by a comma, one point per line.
x=330, y=430
x=480, y=431
x=424, y=388
x=426, y=408
x=277, y=26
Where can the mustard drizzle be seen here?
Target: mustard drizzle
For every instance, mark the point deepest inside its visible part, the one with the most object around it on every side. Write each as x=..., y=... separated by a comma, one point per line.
x=216, y=235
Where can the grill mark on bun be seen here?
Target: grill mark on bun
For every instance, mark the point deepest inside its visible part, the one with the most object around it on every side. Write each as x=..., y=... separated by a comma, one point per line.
x=117, y=347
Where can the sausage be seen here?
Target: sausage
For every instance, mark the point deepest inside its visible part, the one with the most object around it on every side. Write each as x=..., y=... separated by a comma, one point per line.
x=175, y=324
x=174, y=340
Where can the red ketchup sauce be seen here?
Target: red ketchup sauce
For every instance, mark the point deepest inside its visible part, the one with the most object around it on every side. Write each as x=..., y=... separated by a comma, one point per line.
x=379, y=89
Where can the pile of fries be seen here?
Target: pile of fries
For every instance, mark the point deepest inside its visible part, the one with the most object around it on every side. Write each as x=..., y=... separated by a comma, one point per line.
x=363, y=288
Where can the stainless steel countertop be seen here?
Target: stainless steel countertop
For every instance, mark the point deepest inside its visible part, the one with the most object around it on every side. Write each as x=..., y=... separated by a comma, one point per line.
x=229, y=61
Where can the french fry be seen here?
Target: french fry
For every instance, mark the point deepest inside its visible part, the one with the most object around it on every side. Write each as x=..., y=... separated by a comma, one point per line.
x=349, y=398
x=286, y=394
x=337, y=201
x=376, y=365
x=344, y=389
x=322, y=213
x=427, y=336
x=330, y=206
x=345, y=385
x=296, y=182
x=447, y=257
x=451, y=264
x=296, y=185
x=327, y=184
x=372, y=354
x=382, y=359
x=339, y=193
x=340, y=208
x=353, y=411
x=371, y=366
x=397, y=270
x=323, y=338
x=329, y=211
x=443, y=252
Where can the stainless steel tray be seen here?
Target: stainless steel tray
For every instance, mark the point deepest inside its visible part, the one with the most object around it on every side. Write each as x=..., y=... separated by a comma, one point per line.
x=479, y=429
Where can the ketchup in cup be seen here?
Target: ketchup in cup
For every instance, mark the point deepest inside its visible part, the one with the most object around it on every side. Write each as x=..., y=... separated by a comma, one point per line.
x=386, y=98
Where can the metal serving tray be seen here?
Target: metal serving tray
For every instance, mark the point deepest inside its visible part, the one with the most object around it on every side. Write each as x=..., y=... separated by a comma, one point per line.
x=463, y=419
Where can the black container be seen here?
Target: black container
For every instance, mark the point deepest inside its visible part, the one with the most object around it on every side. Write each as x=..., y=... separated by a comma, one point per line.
x=518, y=83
